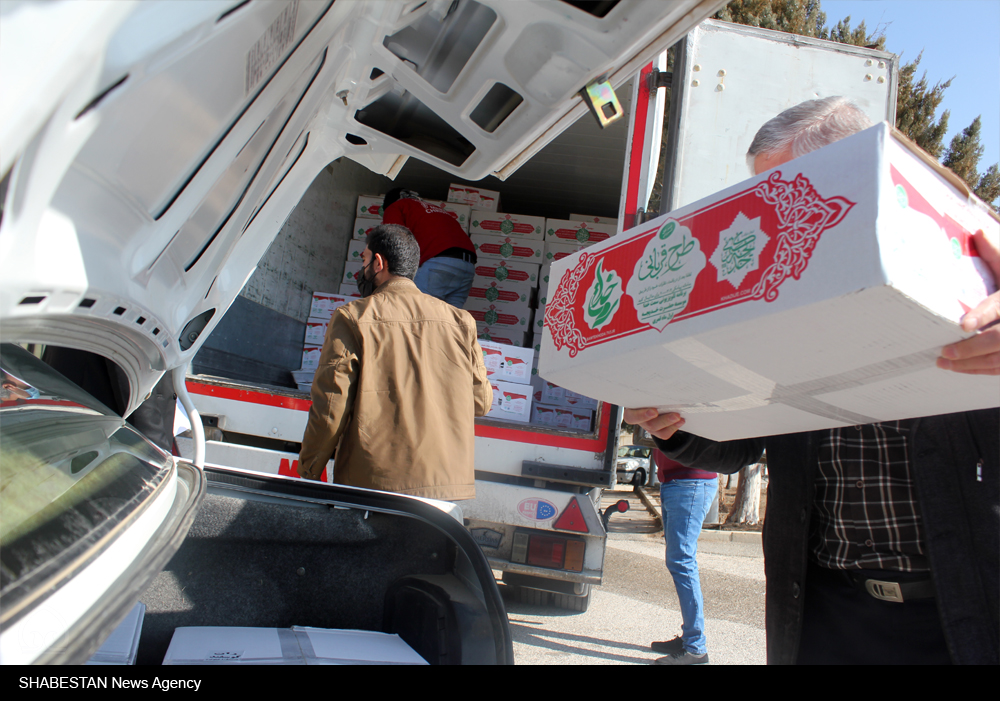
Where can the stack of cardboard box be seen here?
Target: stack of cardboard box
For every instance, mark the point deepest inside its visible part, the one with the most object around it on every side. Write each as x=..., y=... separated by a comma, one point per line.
x=323, y=306
x=509, y=369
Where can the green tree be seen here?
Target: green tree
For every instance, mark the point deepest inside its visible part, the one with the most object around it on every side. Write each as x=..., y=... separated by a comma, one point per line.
x=916, y=105
x=962, y=157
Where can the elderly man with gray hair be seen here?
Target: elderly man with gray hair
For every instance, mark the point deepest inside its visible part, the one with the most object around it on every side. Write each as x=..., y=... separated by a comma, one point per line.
x=881, y=542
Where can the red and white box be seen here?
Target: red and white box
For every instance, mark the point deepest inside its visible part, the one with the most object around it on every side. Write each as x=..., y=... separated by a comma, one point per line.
x=818, y=294
x=461, y=212
x=355, y=250
x=510, y=317
x=323, y=304
x=501, y=291
x=517, y=226
x=503, y=335
x=511, y=401
x=315, y=331
x=507, y=362
x=370, y=206
x=543, y=414
x=475, y=197
x=515, y=271
x=508, y=248
x=583, y=232
x=613, y=221
x=363, y=227
x=352, y=270
x=310, y=356
x=349, y=290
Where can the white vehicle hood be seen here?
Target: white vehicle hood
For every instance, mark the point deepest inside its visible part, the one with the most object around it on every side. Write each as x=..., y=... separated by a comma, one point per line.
x=151, y=151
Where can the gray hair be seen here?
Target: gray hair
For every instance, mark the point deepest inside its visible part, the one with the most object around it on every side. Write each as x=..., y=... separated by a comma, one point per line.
x=808, y=126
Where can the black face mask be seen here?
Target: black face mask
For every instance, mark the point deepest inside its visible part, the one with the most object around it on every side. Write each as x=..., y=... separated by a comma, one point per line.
x=366, y=285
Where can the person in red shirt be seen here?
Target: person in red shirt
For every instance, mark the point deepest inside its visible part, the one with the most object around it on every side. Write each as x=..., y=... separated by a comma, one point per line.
x=447, y=256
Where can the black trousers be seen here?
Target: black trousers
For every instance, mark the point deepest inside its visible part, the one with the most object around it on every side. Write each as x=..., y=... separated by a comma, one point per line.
x=843, y=624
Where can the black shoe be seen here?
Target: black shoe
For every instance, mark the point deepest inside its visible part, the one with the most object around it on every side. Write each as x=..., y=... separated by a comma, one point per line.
x=666, y=647
x=683, y=657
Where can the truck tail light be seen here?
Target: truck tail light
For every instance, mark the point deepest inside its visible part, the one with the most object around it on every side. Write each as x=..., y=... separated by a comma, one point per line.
x=552, y=552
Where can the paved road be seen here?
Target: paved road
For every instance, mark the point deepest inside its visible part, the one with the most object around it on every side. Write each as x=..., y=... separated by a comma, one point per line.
x=637, y=604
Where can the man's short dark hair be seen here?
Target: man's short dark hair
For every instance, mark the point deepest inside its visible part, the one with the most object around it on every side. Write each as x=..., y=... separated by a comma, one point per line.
x=398, y=247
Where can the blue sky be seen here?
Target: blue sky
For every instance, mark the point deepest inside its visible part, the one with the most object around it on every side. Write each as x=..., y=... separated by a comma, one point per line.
x=959, y=38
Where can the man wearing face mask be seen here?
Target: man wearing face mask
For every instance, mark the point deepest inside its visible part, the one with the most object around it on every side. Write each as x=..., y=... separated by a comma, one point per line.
x=399, y=384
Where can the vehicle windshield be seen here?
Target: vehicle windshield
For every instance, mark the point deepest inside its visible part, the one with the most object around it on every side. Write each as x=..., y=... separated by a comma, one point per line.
x=633, y=451
x=71, y=471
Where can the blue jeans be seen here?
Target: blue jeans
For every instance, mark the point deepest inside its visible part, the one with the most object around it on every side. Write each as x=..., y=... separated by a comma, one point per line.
x=448, y=279
x=685, y=505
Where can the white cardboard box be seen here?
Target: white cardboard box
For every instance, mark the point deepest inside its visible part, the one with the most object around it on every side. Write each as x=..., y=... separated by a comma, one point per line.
x=315, y=331
x=310, y=357
x=517, y=226
x=515, y=271
x=286, y=646
x=324, y=303
x=475, y=197
x=508, y=363
x=355, y=249
x=613, y=221
x=497, y=334
x=349, y=290
x=352, y=269
x=505, y=292
x=508, y=248
x=583, y=232
x=370, y=206
x=511, y=401
x=363, y=227
x=815, y=295
x=509, y=318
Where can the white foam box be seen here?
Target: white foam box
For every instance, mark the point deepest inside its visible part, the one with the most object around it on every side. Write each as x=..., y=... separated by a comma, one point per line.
x=507, y=363
x=503, y=292
x=349, y=290
x=475, y=197
x=508, y=248
x=815, y=295
x=310, y=356
x=286, y=646
x=363, y=227
x=504, y=335
x=613, y=221
x=511, y=401
x=512, y=270
x=352, y=269
x=323, y=304
x=517, y=226
x=569, y=231
x=370, y=206
x=510, y=318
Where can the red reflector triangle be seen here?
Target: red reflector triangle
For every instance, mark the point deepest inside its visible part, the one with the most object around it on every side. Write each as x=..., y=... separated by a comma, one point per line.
x=571, y=519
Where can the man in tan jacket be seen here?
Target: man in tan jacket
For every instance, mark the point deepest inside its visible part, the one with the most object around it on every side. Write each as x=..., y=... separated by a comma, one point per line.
x=399, y=383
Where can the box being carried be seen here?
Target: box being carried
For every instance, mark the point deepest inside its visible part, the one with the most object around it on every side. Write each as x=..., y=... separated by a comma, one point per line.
x=815, y=295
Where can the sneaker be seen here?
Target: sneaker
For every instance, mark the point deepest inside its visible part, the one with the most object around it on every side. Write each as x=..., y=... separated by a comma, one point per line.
x=666, y=647
x=683, y=657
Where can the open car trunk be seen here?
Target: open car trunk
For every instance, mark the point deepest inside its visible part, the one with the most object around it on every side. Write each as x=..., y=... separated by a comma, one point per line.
x=277, y=553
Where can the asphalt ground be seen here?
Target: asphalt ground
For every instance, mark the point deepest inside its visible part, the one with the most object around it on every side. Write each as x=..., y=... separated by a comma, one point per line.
x=637, y=602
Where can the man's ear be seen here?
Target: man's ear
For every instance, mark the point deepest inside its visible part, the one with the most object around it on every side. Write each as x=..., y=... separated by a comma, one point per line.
x=379, y=264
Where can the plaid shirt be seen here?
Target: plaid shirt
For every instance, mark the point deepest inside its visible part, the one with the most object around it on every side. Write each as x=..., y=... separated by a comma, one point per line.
x=865, y=514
